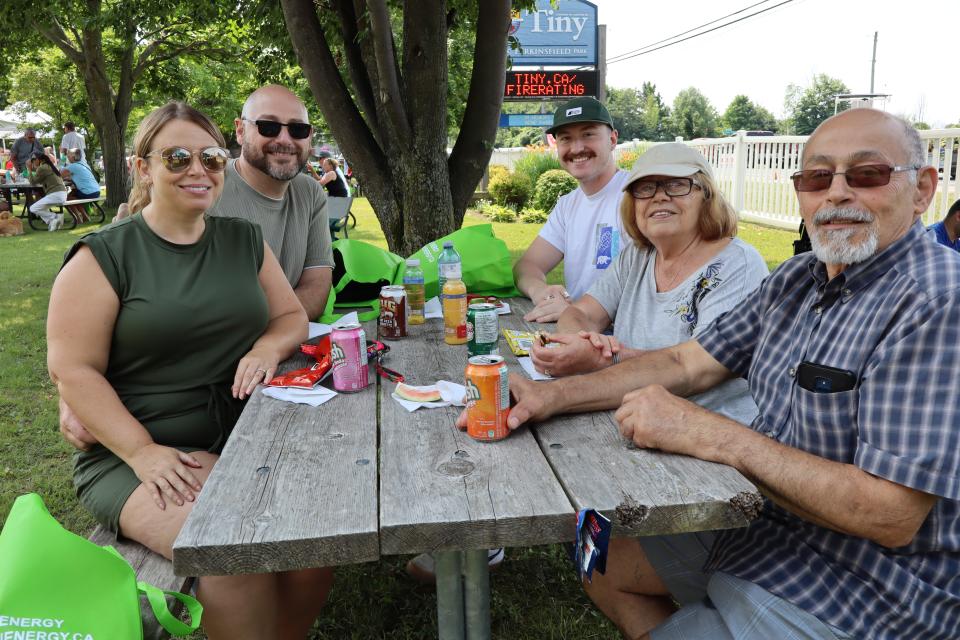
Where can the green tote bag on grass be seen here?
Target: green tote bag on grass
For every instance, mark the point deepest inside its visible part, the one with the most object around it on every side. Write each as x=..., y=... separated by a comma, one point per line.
x=63, y=586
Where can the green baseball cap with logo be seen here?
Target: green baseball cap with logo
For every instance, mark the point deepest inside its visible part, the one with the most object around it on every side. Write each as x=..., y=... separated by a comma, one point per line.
x=581, y=110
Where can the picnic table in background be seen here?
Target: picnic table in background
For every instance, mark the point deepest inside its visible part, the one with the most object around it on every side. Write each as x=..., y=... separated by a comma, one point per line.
x=296, y=486
x=27, y=191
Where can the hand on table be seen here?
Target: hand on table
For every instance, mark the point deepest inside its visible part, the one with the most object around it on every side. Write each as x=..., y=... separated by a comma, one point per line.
x=165, y=472
x=654, y=418
x=570, y=354
x=549, y=304
x=531, y=402
x=73, y=430
x=257, y=367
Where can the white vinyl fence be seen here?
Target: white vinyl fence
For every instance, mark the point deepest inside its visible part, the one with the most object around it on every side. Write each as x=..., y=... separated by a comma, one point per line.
x=754, y=172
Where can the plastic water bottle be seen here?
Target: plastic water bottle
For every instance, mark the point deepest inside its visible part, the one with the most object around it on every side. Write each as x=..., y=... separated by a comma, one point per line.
x=413, y=283
x=448, y=266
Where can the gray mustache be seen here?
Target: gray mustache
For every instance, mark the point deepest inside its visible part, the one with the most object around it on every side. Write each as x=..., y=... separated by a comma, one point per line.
x=842, y=214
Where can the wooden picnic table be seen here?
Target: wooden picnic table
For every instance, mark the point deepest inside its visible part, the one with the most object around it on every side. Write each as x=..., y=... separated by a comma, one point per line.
x=31, y=194
x=297, y=486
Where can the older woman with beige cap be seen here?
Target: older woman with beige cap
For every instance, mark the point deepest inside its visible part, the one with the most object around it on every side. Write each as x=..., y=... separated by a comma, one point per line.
x=684, y=270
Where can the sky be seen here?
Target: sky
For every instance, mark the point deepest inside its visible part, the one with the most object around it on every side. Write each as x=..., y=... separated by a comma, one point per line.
x=918, y=51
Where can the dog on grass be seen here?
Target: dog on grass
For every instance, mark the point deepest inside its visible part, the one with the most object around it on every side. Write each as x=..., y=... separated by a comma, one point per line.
x=9, y=226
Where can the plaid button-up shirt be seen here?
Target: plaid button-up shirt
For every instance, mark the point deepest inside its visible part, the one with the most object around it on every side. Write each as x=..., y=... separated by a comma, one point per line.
x=894, y=321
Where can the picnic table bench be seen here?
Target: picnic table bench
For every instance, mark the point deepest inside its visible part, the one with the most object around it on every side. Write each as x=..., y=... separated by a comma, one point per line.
x=297, y=486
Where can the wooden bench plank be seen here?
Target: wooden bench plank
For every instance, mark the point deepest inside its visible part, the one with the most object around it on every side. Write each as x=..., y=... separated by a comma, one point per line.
x=296, y=487
x=151, y=568
x=439, y=488
x=644, y=492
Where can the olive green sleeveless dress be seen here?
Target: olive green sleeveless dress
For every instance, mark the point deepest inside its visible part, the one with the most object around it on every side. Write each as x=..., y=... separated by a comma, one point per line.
x=188, y=313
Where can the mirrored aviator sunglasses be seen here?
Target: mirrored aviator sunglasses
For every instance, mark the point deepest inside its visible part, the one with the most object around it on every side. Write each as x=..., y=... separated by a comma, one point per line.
x=271, y=128
x=178, y=159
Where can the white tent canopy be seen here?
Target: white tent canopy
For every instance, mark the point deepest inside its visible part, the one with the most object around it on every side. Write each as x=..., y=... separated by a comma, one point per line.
x=18, y=116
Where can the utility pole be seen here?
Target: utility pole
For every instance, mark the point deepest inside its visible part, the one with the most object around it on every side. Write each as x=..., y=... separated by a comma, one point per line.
x=873, y=63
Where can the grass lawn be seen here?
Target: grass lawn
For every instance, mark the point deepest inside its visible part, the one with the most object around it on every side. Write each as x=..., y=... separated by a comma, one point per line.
x=535, y=595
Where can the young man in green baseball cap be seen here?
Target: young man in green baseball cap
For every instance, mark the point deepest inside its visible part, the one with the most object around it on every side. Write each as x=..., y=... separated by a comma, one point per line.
x=584, y=228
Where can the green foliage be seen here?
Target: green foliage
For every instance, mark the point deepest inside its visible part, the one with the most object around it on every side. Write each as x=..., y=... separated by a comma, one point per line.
x=807, y=108
x=626, y=159
x=550, y=186
x=749, y=116
x=498, y=213
x=511, y=189
x=656, y=114
x=533, y=216
x=921, y=126
x=693, y=116
x=626, y=109
x=535, y=163
x=497, y=170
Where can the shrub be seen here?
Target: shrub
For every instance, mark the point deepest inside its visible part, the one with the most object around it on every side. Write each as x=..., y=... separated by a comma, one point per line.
x=511, y=189
x=481, y=206
x=551, y=185
x=626, y=159
x=496, y=170
x=498, y=213
x=533, y=164
x=533, y=216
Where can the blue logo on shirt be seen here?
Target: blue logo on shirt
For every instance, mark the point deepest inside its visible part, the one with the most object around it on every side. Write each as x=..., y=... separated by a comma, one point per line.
x=608, y=245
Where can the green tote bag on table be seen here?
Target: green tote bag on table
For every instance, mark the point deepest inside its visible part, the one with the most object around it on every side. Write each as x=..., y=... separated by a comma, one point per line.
x=485, y=260
x=359, y=271
x=63, y=586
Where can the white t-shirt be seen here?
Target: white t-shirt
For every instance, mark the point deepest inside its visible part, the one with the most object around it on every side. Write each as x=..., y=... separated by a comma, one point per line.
x=73, y=140
x=587, y=230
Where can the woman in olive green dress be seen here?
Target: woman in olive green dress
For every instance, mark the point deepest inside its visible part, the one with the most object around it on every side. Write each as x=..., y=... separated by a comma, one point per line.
x=159, y=326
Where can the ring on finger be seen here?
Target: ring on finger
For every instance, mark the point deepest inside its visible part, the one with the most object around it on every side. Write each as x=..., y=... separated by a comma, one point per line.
x=263, y=371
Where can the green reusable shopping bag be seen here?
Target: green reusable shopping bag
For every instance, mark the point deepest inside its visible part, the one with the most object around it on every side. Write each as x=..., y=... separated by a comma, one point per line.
x=359, y=271
x=55, y=582
x=486, y=262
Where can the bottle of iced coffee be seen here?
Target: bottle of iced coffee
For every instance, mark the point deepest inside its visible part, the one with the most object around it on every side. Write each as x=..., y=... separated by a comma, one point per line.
x=454, y=300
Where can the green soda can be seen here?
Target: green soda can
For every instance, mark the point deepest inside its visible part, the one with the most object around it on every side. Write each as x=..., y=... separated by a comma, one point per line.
x=483, y=330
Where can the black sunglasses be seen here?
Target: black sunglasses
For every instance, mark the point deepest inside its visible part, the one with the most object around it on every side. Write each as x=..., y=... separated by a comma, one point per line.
x=864, y=176
x=271, y=128
x=178, y=159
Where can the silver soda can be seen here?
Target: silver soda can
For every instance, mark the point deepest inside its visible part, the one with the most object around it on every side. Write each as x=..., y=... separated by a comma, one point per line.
x=348, y=355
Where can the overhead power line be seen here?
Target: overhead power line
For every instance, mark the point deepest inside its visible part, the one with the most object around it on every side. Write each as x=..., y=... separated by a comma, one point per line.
x=726, y=24
x=705, y=24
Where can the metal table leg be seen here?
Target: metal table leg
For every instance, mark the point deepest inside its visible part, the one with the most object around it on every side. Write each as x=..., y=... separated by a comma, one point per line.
x=450, y=617
x=476, y=591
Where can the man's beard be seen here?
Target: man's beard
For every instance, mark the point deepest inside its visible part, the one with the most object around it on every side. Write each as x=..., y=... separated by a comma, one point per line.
x=836, y=246
x=259, y=160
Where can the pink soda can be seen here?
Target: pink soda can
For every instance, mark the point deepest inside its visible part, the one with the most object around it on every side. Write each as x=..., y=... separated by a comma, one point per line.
x=348, y=352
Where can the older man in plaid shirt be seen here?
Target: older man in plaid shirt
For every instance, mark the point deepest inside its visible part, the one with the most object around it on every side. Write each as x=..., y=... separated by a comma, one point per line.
x=852, y=353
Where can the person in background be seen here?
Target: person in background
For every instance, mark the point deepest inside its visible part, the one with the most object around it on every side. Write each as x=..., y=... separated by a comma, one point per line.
x=584, y=229
x=53, y=157
x=947, y=231
x=23, y=149
x=45, y=174
x=221, y=316
x=78, y=171
x=72, y=140
x=332, y=178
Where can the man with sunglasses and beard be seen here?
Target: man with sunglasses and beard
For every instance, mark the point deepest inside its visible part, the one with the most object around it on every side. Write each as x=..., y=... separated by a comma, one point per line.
x=584, y=229
x=265, y=186
x=852, y=354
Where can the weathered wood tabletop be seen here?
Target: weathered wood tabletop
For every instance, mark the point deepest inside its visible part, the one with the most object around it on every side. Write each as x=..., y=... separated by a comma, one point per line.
x=296, y=486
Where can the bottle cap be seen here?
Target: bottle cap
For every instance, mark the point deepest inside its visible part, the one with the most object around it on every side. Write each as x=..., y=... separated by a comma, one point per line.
x=448, y=245
x=413, y=262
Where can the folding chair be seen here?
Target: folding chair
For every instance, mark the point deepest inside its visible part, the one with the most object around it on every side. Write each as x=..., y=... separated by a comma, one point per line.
x=338, y=215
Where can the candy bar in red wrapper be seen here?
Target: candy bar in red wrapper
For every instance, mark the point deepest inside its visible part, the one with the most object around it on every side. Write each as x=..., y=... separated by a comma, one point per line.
x=308, y=377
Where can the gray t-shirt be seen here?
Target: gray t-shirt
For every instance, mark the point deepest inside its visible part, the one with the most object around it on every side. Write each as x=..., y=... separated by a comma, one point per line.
x=295, y=227
x=646, y=319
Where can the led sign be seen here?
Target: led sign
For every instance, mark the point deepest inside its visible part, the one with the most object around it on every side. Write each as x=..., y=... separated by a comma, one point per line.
x=526, y=85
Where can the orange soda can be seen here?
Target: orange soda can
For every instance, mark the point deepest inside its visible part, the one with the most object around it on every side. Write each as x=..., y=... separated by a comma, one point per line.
x=488, y=398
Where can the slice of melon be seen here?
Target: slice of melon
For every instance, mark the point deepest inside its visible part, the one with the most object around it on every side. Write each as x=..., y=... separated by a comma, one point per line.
x=414, y=394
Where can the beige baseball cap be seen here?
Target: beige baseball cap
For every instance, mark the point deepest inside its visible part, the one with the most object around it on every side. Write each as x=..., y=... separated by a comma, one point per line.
x=673, y=159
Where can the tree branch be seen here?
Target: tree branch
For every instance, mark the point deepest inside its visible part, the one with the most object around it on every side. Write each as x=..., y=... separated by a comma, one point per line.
x=55, y=34
x=355, y=66
x=479, y=128
x=387, y=69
